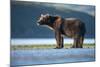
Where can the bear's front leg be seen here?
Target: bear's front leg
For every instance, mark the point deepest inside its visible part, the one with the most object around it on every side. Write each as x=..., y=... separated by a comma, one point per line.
x=59, y=40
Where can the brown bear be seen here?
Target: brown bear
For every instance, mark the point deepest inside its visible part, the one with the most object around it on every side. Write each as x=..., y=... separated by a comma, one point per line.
x=70, y=27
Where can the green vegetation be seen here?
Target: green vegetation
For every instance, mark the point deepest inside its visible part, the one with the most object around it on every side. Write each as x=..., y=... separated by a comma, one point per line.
x=45, y=46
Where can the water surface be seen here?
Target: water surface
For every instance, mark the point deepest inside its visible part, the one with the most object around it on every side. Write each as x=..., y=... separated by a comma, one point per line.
x=51, y=56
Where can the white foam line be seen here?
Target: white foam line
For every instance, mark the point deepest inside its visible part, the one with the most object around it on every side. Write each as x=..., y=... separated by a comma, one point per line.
x=45, y=41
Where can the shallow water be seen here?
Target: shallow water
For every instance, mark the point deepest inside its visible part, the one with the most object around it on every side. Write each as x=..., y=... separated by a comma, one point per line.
x=51, y=56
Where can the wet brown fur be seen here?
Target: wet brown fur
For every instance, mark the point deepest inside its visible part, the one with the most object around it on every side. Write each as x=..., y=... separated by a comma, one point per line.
x=70, y=27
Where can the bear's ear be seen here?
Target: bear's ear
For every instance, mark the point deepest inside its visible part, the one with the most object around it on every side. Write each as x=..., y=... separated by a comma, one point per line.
x=47, y=15
x=41, y=15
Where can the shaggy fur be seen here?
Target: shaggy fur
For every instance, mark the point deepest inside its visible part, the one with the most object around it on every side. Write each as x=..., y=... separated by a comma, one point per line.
x=70, y=27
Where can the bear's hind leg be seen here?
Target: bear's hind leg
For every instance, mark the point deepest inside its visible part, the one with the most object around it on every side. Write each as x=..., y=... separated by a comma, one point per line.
x=76, y=43
x=80, y=45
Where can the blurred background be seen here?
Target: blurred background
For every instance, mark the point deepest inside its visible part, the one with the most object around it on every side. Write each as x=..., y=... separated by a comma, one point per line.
x=24, y=16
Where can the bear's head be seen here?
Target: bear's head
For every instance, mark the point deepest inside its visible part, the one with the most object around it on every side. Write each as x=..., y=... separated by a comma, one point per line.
x=44, y=19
